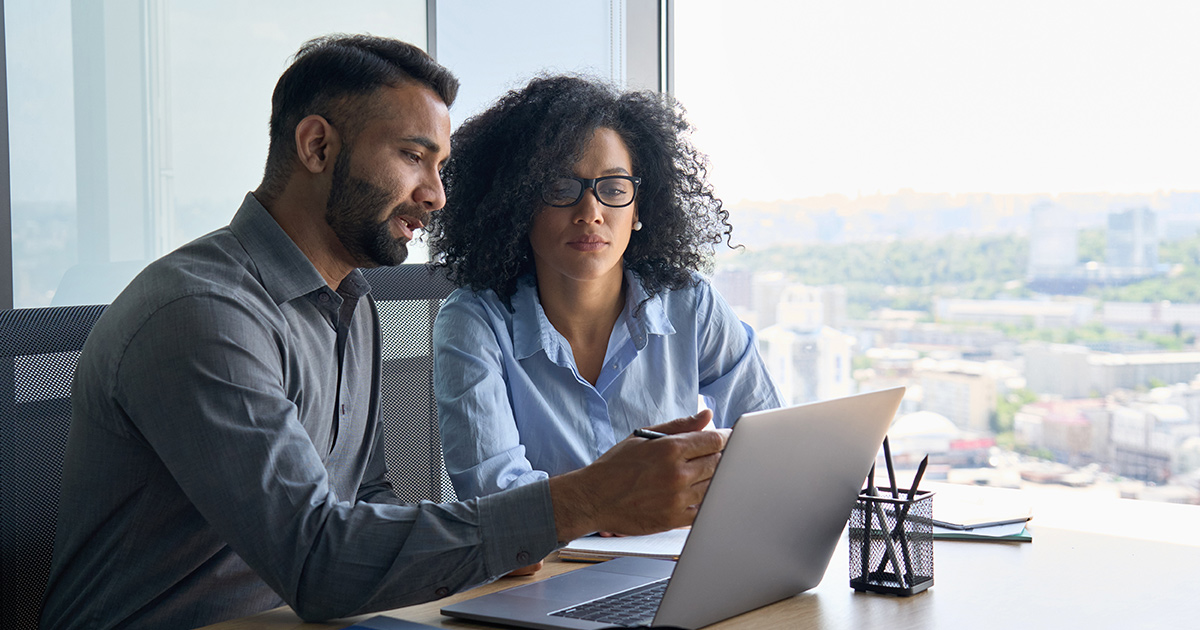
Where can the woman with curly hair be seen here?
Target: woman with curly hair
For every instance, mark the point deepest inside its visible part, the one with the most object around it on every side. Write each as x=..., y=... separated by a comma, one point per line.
x=577, y=218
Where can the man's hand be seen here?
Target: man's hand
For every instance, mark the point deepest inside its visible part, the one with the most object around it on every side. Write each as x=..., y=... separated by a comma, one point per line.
x=640, y=486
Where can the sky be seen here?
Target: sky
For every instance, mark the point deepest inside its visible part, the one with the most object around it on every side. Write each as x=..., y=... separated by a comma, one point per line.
x=790, y=98
x=794, y=99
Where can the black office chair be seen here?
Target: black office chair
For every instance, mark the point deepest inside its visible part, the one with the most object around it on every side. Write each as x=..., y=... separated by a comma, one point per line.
x=38, y=351
x=408, y=298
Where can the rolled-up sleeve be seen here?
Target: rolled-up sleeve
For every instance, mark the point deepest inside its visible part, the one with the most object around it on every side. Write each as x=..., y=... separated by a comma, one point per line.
x=732, y=372
x=220, y=418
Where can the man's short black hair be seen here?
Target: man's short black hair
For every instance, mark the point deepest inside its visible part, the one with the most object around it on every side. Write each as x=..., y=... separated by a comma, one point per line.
x=327, y=76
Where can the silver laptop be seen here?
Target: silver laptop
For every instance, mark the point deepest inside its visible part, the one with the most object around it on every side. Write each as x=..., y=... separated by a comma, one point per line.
x=766, y=530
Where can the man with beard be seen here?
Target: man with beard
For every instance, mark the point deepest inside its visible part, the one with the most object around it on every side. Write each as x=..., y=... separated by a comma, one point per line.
x=225, y=455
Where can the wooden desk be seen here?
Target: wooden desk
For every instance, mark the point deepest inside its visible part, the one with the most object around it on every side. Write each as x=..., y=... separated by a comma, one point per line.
x=1073, y=575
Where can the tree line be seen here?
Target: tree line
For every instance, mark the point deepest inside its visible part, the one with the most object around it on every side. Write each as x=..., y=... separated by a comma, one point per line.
x=909, y=273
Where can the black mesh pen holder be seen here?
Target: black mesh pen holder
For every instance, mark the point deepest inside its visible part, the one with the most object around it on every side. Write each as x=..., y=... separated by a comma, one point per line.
x=891, y=543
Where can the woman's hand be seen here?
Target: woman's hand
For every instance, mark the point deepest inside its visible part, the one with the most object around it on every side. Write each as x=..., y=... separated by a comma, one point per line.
x=524, y=571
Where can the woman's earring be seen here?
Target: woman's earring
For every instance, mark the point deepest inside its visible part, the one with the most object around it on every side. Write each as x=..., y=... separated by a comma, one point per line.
x=637, y=225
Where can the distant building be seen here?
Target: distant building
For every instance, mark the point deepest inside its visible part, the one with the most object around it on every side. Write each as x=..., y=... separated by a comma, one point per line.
x=808, y=365
x=1175, y=227
x=1138, y=439
x=1064, y=313
x=1160, y=317
x=1131, y=252
x=1064, y=428
x=770, y=293
x=808, y=307
x=808, y=359
x=1185, y=395
x=1148, y=440
x=966, y=340
x=1053, y=241
x=891, y=367
x=1187, y=459
x=767, y=290
x=1073, y=371
x=913, y=436
x=736, y=286
x=963, y=391
x=1132, y=240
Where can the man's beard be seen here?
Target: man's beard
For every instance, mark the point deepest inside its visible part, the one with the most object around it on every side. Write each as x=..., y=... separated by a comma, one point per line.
x=353, y=212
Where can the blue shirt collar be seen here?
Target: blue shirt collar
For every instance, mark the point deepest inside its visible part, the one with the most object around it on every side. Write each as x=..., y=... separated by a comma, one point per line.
x=533, y=332
x=652, y=319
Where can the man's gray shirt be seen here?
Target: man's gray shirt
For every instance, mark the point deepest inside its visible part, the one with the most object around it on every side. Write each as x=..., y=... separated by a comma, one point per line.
x=216, y=468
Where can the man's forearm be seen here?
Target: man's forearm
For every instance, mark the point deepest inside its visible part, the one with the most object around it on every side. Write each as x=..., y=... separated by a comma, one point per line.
x=639, y=486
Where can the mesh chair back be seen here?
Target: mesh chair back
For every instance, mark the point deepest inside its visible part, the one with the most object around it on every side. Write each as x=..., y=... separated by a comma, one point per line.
x=408, y=298
x=38, y=351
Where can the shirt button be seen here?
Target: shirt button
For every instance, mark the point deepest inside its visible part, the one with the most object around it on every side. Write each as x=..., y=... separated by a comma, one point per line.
x=523, y=558
x=324, y=297
x=442, y=592
x=343, y=409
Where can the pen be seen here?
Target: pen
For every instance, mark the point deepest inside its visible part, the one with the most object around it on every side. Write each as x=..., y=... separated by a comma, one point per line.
x=898, y=532
x=648, y=434
x=887, y=459
x=889, y=549
x=912, y=491
x=866, y=550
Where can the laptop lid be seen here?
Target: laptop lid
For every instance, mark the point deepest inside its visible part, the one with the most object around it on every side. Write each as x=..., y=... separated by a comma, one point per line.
x=777, y=505
x=766, y=530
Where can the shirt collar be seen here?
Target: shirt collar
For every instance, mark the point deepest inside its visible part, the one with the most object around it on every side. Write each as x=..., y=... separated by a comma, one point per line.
x=651, y=318
x=285, y=271
x=533, y=332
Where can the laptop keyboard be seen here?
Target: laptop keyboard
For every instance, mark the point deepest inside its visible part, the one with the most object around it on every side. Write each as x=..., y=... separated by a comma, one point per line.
x=627, y=608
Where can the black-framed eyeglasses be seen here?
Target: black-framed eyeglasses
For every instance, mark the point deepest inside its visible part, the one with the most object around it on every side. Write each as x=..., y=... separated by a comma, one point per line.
x=614, y=191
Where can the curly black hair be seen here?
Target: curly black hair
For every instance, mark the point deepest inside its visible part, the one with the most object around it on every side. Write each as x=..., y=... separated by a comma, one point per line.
x=502, y=157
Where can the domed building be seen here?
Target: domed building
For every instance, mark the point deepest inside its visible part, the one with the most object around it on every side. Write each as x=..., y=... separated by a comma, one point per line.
x=915, y=435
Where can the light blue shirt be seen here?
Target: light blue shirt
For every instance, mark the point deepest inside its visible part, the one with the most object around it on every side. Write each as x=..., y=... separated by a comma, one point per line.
x=514, y=409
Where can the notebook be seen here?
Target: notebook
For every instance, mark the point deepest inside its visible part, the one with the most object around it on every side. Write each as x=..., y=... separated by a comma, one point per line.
x=766, y=530
x=667, y=545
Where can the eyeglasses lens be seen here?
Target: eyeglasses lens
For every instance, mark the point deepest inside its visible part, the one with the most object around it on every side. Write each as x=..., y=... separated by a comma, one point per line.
x=616, y=192
x=562, y=192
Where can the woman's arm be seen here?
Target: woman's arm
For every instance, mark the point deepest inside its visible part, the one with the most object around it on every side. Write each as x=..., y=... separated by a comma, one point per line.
x=480, y=441
x=733, y=375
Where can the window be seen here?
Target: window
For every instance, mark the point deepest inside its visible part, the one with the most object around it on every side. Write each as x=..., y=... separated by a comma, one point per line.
x=136, y=126
x=995, y=205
